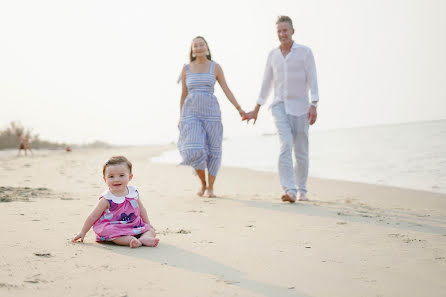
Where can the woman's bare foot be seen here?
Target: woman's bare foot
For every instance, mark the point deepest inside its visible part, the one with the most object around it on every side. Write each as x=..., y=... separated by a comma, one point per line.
x=150, y=241
x=135, y=243
x=211, y=193
x=202, y=190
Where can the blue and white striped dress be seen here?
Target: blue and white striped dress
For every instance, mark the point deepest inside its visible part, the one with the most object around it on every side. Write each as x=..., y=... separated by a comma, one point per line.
x=201, y=130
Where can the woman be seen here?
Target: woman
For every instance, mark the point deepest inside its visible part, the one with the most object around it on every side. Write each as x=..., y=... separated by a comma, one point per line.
x=201, y=130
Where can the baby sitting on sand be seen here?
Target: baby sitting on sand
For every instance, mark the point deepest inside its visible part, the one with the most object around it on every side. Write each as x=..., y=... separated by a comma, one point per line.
x=120, y=216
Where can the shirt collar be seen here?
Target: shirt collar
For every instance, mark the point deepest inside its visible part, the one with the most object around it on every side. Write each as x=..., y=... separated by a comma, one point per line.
x=293, y=47
x=133, y=193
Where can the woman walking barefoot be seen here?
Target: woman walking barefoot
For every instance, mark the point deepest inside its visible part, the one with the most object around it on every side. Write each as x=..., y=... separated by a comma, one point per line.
x=201, y=130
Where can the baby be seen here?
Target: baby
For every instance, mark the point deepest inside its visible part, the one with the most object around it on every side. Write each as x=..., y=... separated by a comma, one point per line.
x=120, y=216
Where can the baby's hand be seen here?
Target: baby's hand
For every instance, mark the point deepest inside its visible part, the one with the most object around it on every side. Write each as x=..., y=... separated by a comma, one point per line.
x=80, y=235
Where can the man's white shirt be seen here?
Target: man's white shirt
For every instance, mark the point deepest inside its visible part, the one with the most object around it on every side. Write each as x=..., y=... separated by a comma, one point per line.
x=292, y=77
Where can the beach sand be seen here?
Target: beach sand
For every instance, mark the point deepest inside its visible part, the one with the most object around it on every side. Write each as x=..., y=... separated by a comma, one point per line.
x=351, y=239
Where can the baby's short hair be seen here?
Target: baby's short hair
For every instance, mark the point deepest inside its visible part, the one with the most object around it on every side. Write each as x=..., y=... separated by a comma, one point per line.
x=117, y=160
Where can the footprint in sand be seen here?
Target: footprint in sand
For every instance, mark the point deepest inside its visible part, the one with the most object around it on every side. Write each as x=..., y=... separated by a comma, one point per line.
x=44, y=255
x=340, y=213
x=182, y=231
x=197, y=211
x=35, y=279
x=405, y=238
x=8, y=286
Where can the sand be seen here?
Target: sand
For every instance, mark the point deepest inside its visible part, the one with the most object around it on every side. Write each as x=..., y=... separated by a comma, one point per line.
x=351, y=239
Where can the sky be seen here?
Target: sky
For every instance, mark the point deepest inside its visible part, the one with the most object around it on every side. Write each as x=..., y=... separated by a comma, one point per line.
x=80, y=71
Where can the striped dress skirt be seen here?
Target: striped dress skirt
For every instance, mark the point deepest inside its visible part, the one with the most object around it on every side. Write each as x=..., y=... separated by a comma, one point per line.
x=201, y=132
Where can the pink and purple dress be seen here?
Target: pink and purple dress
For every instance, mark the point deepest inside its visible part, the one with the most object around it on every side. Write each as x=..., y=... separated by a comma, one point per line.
x=121, y=218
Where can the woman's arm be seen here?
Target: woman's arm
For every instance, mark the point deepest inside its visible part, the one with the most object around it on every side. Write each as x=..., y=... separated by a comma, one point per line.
x=222, y=81
x=183, y=88
x=92, y=218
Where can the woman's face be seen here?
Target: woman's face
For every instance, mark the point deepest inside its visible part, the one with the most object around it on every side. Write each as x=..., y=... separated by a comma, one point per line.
x=199, y=47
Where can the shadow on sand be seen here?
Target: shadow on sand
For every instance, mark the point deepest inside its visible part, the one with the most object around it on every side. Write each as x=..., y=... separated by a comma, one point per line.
x=174, y=256
x=399, y=219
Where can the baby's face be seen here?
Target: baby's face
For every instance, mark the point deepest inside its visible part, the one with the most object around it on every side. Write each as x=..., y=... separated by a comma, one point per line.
x=117, y=177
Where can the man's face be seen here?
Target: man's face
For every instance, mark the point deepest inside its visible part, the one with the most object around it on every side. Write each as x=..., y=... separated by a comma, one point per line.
x=285, y=33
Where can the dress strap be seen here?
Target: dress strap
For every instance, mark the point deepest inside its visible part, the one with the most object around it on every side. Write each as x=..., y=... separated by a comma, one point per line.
x=212, y=68
x=187, y=67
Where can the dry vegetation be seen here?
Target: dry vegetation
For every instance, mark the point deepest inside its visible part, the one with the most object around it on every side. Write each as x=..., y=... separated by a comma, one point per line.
x=10, y=139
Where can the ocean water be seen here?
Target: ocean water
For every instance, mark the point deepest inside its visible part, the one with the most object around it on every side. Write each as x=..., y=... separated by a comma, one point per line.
x=411, y=155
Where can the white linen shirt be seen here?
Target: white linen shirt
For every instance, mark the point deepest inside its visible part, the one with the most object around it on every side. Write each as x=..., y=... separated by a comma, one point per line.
x=292, y=76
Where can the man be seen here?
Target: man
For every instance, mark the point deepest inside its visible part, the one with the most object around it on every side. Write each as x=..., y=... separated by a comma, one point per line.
x=291, y=69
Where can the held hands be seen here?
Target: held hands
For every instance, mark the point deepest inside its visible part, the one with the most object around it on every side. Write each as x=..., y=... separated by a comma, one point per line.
x=252, y=115
x=80, y=236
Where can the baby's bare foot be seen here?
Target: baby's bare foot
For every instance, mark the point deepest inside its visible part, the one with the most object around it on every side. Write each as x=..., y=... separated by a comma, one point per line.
x=150, y=241
x=135, y=243
x=211, y=193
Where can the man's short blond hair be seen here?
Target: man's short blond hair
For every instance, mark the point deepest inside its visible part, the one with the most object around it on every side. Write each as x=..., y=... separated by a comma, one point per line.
x=284, y=19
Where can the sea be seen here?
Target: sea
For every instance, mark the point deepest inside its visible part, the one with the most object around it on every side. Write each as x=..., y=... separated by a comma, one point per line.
x=408, y=155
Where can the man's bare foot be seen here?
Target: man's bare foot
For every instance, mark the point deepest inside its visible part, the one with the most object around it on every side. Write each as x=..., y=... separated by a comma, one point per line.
x=135, y=243
x=303, y=197
x=150, y=241
x=202, y=190
x=289, y=197
x=211, y=193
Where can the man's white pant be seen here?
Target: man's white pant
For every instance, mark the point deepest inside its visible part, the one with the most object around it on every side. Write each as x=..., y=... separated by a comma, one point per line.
x=293, y=133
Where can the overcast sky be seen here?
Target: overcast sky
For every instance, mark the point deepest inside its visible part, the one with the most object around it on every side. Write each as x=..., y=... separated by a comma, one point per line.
x=77, y=71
